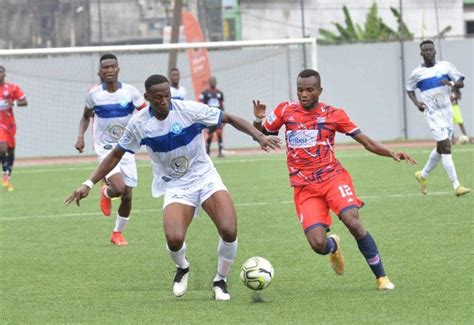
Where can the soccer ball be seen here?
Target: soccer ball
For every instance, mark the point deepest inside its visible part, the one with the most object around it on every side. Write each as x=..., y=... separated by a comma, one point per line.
x=257, y=273
x=463, y=139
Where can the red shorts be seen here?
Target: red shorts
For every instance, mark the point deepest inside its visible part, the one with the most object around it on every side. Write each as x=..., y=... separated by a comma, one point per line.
x=7, y=134
x=313, y=201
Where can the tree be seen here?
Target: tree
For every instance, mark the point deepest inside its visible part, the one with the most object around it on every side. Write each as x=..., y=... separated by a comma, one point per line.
x=374, y=30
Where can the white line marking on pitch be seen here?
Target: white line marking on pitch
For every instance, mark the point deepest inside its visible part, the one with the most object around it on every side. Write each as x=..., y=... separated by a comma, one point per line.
x=236, y=204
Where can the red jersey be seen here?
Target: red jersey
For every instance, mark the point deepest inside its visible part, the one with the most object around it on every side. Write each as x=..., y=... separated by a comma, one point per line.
x=310, y=139
x=10, y=92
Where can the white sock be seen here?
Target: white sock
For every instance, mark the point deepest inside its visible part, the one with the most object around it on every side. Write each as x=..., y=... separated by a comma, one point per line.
x=448, y=165
x=120, y=223
x=179, y=257
x=225, y=257
x=105, y=192
x=432, y=162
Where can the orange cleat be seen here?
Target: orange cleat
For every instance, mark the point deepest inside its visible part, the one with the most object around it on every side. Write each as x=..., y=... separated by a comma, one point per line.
x=118, y=239
x=105, y=203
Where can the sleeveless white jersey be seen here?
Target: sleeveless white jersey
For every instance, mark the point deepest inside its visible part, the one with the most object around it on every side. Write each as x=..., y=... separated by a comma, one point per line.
x=112, y=113
x=175, y=145
x=178, y=93
x=434, y=94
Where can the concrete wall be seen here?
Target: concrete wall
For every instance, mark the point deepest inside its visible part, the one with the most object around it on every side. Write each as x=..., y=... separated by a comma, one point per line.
x=365, y=79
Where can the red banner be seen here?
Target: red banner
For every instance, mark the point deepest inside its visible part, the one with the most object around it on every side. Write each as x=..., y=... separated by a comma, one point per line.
x=197, y=58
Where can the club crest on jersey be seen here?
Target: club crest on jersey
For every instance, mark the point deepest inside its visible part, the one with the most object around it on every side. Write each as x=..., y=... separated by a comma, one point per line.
x=301, y=138
x=179, y=167
x=176, y=128
x=123, y=102
x=271, y=118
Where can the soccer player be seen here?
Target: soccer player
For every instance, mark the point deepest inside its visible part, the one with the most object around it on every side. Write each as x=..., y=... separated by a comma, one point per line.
x=319, y=181
x=433, y=79
x=113, y=103
x=177, y=91
x=457, y=114
x=9, y=95
x=215, y=98
x=182, y=172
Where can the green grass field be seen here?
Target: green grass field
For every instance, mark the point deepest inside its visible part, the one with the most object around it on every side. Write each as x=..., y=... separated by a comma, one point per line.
x=58, y=266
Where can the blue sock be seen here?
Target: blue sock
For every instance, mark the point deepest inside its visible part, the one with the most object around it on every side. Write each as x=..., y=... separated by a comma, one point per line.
x=368, y=248
x=331, y=246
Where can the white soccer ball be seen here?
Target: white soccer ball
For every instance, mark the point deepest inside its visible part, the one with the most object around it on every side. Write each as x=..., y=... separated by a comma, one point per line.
x=257, y=273
x=463, y=139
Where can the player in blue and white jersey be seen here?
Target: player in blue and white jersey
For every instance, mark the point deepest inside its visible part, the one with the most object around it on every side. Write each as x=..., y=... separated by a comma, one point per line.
x=112, y=104
x=177, y=91
x=171, y=130
x=434, y=79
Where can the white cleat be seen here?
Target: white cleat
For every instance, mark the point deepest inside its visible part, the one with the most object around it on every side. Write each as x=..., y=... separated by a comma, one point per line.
x=220, y=290
x=180, y=282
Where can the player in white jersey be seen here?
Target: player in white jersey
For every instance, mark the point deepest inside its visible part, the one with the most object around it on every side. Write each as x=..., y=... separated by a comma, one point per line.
x=112, y=103
x=434, y=79
x=177, y=91
x=171, y=130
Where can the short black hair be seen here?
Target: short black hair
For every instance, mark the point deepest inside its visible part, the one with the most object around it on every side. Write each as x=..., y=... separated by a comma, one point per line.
x=2, y=68
x=426, y=41
x=306, y=73
x=174, y=69
x=155, y=79
x=108, y=56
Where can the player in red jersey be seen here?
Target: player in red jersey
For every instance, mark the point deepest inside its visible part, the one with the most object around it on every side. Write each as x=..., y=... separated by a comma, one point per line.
x=319, y=180
x=9, y=95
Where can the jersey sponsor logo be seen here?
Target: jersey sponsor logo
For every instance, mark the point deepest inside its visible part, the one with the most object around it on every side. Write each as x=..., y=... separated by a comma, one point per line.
x=108, y=146
x=115, y=131
x=166, y=178
x=439, y=100
x=271, y=118
x=301, y=138
x=176, y=128
x=179, y=167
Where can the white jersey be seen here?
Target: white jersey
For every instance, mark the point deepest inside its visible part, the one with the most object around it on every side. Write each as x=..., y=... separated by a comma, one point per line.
x=434, y=94
x=178, y=93
x=175, y=145
x=112, y=113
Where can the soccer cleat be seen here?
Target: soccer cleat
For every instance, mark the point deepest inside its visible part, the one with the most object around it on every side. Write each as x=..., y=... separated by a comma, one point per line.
x=180, y=281
x=105, y=203
x=461, y=190
x=384, y=283
x=220, y=290
x=10, y=187
x=422, y=182
x=337, y=259
x=6, y=180
x=118, y=239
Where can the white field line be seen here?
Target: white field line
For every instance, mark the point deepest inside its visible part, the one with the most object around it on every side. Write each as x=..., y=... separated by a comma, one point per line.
x=249, y=204
x=32, y=170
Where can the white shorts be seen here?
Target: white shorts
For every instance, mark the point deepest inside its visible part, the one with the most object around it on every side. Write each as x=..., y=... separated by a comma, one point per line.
x=196, y=195
x=127, y=166
x=441, y=124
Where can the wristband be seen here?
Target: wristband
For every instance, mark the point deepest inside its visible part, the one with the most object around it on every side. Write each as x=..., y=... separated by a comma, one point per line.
x=88, y=183
x=257, y=119
x=452, y=83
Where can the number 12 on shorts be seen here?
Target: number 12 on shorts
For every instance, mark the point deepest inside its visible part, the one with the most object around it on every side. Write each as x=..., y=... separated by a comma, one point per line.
x=345, y=190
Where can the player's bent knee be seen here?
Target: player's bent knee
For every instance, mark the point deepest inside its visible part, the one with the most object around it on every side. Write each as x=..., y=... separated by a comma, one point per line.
x=317, y=243
x=228, y=232
x=175, y=242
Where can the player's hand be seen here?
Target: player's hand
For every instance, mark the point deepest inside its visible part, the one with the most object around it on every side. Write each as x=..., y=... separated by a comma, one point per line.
x=269, y=142
x=77, y=195
x=259, y=109
x=421, y=106
x=397, y=156
x=80, y=144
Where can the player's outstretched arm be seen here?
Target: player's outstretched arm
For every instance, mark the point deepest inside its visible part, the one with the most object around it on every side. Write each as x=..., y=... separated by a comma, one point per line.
x=266, y=142
x=83, y=125
x=381, y=150
x=101, y=171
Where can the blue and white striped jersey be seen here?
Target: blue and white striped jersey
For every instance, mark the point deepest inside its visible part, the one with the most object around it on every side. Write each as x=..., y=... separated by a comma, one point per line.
x=175, y=145
x=112, y=112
